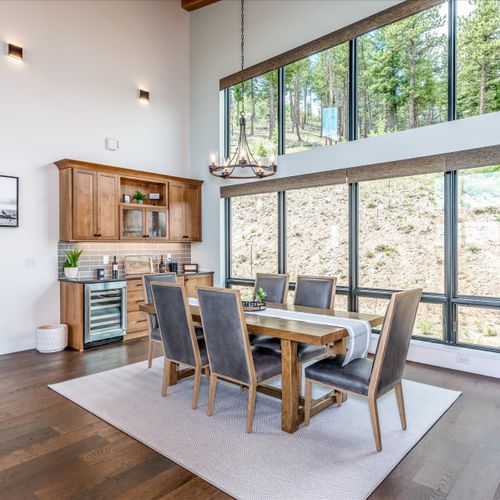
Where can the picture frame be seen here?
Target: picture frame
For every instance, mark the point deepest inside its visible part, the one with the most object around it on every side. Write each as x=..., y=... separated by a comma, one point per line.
x=190, y=268
x=9, y=201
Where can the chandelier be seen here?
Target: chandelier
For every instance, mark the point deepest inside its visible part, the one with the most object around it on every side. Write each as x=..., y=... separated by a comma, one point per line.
x=242, y=164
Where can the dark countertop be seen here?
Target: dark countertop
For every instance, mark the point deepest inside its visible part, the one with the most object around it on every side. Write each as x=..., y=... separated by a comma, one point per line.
x=122, y=278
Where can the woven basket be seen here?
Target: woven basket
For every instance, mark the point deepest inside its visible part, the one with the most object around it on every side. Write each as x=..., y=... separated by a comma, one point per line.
x=51, y=338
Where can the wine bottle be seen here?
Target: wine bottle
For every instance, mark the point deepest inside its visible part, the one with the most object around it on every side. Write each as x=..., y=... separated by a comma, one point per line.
x=114, y=267
x=161, y=265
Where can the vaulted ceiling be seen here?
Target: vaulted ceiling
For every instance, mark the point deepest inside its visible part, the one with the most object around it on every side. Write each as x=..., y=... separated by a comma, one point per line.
x=191, y=5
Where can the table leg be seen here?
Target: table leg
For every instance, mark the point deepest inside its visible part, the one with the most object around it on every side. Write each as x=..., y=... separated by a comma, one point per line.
x=289, y=386
x=339, y=349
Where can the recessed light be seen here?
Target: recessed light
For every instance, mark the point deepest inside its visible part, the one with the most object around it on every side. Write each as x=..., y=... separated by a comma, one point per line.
x=144, y=95
x=14, y=51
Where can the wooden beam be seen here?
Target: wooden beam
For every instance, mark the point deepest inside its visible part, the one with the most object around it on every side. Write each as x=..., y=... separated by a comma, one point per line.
x=375, y=21
x=191, y=5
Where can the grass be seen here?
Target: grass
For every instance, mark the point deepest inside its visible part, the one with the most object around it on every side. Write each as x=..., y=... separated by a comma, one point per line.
x=473, y=249
x=386, y=249
x=406, y=228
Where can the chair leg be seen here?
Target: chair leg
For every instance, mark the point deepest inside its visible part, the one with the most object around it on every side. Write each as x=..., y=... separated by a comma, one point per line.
x=252, y=394
x=166, y=377
x=401, y=405
x=372, y=403
x=196, y=386
x=308, y=401
x=211, y=394
x=299, y=377
x=150, y=352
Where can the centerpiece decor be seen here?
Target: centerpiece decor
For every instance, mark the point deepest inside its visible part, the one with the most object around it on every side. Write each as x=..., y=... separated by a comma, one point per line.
x=257, y=304
x=70, y=265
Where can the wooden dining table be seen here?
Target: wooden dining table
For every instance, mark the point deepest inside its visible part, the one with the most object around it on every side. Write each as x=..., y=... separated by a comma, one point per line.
x=291, y=332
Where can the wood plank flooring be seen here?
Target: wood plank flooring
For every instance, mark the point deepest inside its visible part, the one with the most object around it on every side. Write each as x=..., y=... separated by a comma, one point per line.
x=50, y=448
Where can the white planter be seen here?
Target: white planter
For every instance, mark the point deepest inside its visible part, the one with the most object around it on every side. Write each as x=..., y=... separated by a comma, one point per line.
x=51, y=338
x=71, y=272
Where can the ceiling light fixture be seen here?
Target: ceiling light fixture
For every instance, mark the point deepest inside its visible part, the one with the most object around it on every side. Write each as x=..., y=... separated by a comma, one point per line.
x=14, y=51
x=144, y=95
x=242, y=164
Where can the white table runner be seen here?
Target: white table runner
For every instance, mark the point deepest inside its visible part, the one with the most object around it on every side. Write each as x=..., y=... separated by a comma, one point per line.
x=359, y=330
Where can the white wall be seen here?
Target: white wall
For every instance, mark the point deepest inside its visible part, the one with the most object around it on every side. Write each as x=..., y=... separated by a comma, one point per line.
x=84, y=62
x=273, y=27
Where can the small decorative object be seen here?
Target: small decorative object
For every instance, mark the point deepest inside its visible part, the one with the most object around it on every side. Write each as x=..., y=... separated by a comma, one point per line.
x=253, y=305
x=51, y=338
x=173, y=267
x=127, y=198
x=260, y=295
x=139, y=197
x=9, y=201
x=154, y=196
x=100, y=273
x=70, y=265
x=190, y=268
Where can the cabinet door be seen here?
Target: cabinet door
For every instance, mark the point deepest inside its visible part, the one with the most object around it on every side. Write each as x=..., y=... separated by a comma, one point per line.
x=156, y=223
x=132, y=224
x=192, y=213
x=84, y=213
x=108, y=195
x=176, y=211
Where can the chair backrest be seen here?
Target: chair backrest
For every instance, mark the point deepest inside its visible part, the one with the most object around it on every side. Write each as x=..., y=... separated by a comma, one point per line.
x=176, y=325
x=147, y=279
x=315, y=291
x=394, y=341
x=275, y=285
x=228, y=346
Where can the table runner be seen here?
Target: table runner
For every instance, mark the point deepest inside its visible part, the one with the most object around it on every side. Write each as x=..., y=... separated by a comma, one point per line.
x=359, y=330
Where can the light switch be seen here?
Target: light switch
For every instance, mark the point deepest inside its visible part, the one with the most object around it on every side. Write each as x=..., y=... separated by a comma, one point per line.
x=169, y=257
x=105, y=260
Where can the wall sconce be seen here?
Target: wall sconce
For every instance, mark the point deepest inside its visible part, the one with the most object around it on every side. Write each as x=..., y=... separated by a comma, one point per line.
x=14, y=51
x=143, y=95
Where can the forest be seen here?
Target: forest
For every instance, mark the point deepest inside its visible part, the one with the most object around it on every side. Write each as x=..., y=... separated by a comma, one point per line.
x=402, y=82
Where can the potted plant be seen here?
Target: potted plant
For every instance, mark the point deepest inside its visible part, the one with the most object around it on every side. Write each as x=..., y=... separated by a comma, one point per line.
x=139, y=197
x=70, y=265
x=260, y=295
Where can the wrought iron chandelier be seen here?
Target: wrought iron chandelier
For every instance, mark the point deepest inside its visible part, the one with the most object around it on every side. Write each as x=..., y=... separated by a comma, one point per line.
x=242, y=164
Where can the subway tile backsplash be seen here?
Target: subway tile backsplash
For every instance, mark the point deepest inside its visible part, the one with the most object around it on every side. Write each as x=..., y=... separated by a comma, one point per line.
x=93, y=255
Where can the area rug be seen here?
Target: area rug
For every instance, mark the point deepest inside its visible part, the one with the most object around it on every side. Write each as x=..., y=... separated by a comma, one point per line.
x=334, y=457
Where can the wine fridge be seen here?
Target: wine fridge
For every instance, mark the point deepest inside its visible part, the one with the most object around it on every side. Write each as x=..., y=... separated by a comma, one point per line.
x=105, y=312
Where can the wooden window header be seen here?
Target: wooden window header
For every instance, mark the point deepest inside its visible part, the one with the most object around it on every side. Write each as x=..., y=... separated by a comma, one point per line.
x=395, y=13
x=457, y=160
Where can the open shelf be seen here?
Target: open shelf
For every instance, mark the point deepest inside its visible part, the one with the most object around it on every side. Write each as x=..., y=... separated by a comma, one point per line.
x=130, y=185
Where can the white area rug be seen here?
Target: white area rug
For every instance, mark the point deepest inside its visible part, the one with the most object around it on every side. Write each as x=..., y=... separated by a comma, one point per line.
x=334, y=457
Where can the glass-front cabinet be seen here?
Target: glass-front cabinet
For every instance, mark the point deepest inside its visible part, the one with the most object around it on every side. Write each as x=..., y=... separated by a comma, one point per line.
x=144, y=222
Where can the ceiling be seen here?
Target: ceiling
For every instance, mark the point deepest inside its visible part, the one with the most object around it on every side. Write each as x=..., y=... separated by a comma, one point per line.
x=191, y=5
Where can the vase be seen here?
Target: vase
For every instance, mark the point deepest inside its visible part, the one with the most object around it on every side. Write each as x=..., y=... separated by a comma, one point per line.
x=71, y=272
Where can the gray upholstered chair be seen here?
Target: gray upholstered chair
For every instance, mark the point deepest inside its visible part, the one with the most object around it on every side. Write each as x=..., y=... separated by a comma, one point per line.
x=276, y=288
x=310, y=291
x=154, y=332
x=367, y=378
x=229, y=351
x=178, y=336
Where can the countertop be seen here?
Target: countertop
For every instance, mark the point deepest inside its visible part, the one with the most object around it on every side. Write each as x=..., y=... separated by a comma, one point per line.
x=123, y=278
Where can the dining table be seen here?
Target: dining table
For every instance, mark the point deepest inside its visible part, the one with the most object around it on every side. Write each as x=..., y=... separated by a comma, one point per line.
x=291, y=332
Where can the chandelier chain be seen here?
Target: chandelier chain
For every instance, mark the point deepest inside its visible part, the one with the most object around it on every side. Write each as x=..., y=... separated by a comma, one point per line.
x=242, y=55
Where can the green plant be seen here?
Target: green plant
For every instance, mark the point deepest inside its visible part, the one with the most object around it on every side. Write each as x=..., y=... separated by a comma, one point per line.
x=72, y=258
x=406, y=228
x=260, y=294
x=138, y=196
x=369, y=255
x=371, y=204
x=387, y=249
x=379, y=265
x=473, y=248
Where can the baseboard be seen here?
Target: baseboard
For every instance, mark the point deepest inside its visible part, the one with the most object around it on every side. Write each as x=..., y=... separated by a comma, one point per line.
x=452, y=357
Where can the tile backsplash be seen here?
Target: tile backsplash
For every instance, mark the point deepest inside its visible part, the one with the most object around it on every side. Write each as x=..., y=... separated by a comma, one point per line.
x=93, y=255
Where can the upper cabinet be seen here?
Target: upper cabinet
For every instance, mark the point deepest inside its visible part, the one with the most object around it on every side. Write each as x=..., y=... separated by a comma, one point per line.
x=185, y=211
x=96, y=204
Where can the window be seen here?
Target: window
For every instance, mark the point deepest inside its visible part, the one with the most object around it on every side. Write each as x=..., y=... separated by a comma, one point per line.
x=478, y=58
x=316, y=100
x=318, y=232
x=254, y=235
x=479, y=231
x=479, y=326
x=401, y=233
x=261, y=110
x=402, y=74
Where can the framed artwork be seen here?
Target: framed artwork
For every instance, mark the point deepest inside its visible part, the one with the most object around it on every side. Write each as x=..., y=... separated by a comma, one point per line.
x=9, y=201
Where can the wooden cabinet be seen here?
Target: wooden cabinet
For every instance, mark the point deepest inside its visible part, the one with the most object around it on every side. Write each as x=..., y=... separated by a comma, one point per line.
x=185, y=212
x=91, y=207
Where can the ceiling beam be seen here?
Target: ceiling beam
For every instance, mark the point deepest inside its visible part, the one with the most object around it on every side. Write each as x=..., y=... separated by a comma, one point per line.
x=191, y=5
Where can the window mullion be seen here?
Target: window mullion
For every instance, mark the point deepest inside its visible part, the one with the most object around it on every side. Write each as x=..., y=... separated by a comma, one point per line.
x=281, y=111
x=282, y=232
x=353, y=82
x=452, y=59
x=353, y=245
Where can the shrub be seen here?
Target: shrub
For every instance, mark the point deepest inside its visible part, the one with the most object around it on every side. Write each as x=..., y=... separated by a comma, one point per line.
x=473, y=248
x=387, y=249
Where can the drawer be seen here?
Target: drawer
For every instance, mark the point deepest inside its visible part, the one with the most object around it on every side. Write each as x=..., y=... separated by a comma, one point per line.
x=136, y=320
x=134, y=300
x=134, y=285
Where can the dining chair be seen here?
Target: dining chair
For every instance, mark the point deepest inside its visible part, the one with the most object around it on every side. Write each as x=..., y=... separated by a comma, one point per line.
x=310, y=291
x=368, y=378
x=154, y=332
x=229, y=351
x=180, y=344
x=276, y=288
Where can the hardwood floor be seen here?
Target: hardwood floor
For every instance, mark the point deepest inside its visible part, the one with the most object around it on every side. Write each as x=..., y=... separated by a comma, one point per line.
x=50, y=448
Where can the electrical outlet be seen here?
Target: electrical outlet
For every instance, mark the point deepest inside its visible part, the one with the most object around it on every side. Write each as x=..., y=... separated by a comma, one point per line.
x=463, y=359
x=169, y=257
x=105, y=260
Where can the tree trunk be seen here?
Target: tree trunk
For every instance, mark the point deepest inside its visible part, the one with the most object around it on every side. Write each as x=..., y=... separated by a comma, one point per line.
x=412, y=97
x=482, y=89
x=271, y=112
x=252, y=114
x=295, y=108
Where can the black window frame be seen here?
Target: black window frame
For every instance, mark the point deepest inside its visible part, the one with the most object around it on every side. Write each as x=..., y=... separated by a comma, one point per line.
x=450, y=299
